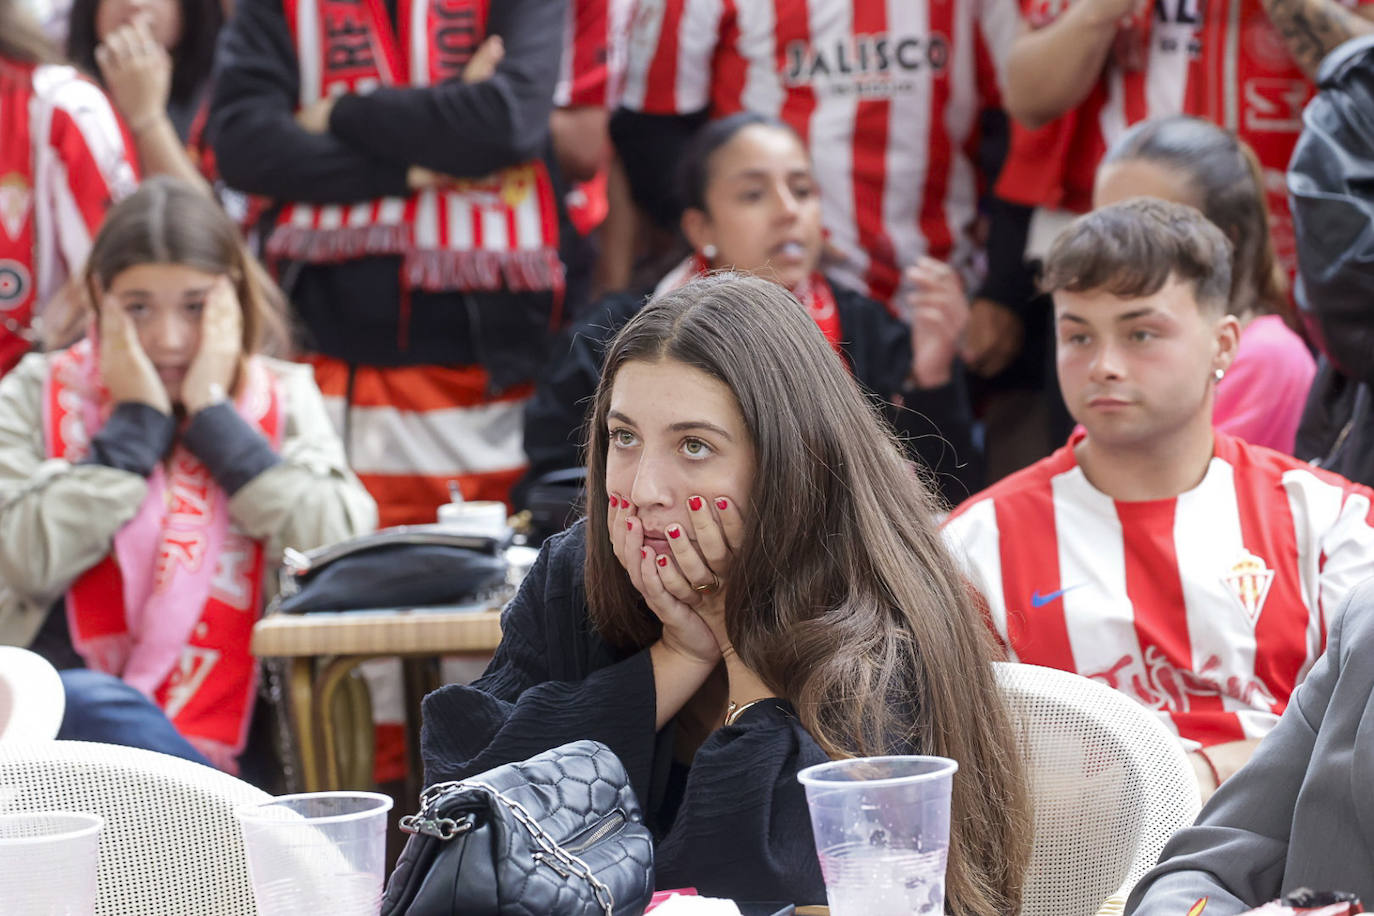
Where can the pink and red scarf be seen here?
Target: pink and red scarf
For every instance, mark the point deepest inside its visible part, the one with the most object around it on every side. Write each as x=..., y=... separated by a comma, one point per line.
x=171, y=609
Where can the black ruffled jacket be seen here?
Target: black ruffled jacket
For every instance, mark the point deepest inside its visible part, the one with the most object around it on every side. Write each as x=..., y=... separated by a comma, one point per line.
x=734, y=824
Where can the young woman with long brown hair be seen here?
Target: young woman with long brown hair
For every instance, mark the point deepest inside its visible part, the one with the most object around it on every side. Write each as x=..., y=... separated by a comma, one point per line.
x=151, y=475
x=758, y=586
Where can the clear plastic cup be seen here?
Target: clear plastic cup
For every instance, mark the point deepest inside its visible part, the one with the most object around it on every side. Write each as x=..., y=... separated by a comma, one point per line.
x=319, y=852
x=881, y=826
x=48, y=863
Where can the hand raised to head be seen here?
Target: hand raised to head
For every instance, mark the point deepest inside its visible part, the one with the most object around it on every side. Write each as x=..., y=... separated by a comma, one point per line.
x=667, y=593
x=125, y=369
x=214, y=368
x=137, y=72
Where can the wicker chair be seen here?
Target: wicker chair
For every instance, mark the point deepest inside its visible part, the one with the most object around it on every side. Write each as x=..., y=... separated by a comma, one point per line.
x=1109, y=782
x=171, y=844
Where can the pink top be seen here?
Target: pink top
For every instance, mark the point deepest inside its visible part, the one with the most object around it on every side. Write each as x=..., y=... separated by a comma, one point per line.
x=1261, y=398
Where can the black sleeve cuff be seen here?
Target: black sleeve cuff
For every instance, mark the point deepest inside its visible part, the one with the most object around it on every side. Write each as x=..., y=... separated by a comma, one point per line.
x=234, y=452
x=1010, y=281
x=134, y=438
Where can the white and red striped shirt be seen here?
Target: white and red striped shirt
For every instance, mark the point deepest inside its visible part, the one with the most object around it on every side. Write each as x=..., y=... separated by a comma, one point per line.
x=1223, y=62
x=1209, y=607
x=886, y=93
x=64, y=158
x=593, y=67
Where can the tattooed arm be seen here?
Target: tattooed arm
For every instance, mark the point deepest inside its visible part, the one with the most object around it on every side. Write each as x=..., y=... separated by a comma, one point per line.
x=1312, y=28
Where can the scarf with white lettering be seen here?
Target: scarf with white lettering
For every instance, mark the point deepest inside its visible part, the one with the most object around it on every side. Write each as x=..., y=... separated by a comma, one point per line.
x=487, y=234
x=171, y=609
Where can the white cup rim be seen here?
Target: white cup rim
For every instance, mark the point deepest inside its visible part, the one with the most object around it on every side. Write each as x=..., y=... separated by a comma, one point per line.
x=252, y=813
x=93, y=825
x=815, y=776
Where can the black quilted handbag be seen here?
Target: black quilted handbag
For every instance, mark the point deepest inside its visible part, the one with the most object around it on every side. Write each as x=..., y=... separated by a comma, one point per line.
x=559, y=834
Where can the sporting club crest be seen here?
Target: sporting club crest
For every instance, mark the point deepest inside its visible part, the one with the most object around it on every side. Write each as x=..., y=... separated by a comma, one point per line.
x=16, y=199
x=1248, y=580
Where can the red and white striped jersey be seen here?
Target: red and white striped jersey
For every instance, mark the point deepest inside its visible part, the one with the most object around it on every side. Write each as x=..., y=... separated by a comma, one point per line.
x=1222, y=61
x=1209, y=607
x=593, y=68
x=64, y=158
x=886, y=93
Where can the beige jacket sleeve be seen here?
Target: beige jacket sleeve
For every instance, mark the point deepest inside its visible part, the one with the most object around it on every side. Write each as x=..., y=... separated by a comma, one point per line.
x=57, y=519
x=311, y=498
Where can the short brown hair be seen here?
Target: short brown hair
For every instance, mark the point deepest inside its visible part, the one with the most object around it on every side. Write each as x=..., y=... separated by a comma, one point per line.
x=1227, y=184
x=1131, y=249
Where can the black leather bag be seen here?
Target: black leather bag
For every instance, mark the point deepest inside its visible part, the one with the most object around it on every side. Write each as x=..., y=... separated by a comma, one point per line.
x=405, y=566
x=559, y=834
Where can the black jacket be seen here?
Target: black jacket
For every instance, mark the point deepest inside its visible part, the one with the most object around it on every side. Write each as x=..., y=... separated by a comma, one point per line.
x=1331, y=187
x=354, y=310
x=734, y=824
x=936, y=424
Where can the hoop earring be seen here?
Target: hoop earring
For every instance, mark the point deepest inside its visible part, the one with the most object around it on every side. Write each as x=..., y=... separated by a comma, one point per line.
x=709, y=252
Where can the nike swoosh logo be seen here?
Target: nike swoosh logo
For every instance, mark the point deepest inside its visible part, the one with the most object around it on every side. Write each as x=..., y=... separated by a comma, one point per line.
x=1039, y=600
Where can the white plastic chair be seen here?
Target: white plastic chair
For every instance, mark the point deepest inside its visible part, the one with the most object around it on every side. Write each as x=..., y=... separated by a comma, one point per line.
x=1109, y=782
x=32, y=700
x=171, y=844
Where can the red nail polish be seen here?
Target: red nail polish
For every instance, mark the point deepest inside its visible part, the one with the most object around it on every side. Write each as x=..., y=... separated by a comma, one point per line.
x=662, y=561
x=694, y=503
x=613, y=502
x=643, y=553
x=629, y=525
x=624, y=503
x=675, y=532
x=721, y=504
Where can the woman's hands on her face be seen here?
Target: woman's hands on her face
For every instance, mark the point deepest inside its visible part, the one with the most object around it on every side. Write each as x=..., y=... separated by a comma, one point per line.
x=939, y=316
x=211, y=374
x=125, y=369
x=693, y=620
x=137, y=72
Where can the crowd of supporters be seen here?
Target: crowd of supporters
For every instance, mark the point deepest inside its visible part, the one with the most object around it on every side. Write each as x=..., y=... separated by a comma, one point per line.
x=276, y=272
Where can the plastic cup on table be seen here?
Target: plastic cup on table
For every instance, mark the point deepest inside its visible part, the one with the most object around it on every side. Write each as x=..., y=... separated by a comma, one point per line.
x=316, y=853
x=881, y=826
x=48, y=862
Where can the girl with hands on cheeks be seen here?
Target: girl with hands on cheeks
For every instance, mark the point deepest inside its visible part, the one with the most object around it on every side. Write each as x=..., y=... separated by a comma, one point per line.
x=758, y=586
x=152, y=474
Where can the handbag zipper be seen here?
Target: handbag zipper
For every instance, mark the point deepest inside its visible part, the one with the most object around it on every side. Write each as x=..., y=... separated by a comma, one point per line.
x=603, y=828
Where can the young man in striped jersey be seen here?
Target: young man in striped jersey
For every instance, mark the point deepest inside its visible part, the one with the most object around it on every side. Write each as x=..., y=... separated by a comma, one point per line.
x=1188, y=569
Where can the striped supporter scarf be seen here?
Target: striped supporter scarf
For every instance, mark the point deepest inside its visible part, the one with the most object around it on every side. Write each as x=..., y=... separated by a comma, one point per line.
x=471, y=235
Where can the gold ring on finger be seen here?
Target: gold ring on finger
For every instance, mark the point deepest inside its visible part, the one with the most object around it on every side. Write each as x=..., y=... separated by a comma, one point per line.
x=709, y=586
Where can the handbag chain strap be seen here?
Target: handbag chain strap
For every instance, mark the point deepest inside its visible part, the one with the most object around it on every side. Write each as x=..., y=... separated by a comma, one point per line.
x=550, y=852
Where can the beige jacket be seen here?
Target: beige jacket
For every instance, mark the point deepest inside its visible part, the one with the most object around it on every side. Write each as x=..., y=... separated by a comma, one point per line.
x=57, y=519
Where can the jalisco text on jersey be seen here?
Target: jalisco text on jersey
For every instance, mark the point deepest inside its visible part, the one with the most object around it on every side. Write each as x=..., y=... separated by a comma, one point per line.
x=865, y=56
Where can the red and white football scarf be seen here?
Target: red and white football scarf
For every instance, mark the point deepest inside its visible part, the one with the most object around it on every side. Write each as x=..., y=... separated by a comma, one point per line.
x=816, y=295
x=16, y=214
x=171, y=609
x=493, y=233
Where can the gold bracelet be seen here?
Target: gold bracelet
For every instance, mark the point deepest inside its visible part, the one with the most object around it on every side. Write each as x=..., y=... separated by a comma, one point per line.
x=734, y=710
x=728, y=651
